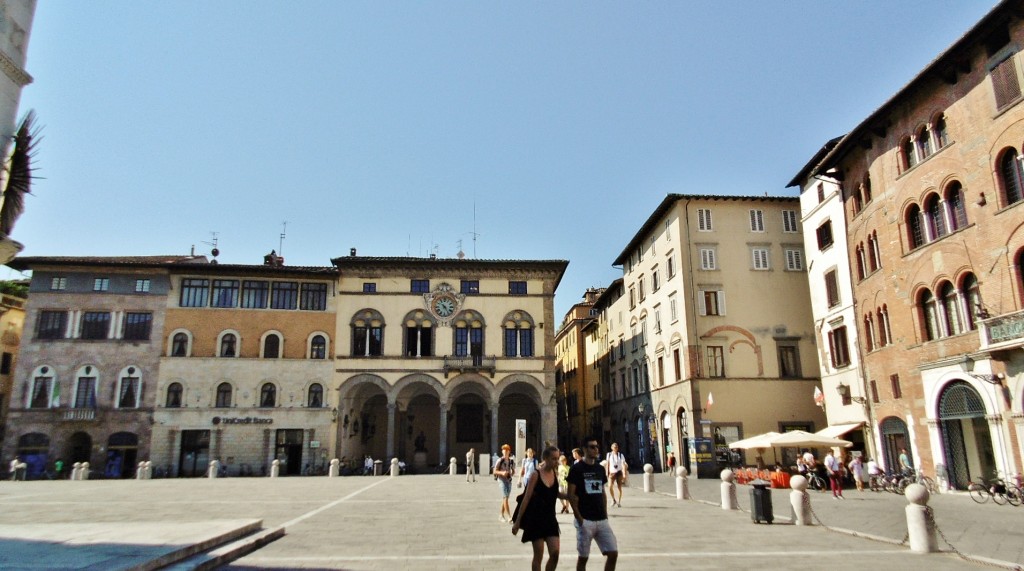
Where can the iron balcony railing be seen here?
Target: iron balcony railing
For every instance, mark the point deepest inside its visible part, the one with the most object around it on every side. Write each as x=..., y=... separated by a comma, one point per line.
x=464, y=363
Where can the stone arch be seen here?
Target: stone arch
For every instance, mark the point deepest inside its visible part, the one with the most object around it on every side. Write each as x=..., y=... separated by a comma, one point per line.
x=747, y=339
x=540, y=391
x=470, y=383
x=352, y=384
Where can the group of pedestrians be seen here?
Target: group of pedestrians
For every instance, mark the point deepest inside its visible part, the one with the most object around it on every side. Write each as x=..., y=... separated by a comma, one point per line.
x=580, y=487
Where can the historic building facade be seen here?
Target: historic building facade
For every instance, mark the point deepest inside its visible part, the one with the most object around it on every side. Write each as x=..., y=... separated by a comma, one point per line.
x=716, y=339
x=12, y=322
x=577, y=378
x=933, y=190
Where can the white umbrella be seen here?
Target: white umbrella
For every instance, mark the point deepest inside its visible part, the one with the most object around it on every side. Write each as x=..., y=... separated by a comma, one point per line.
x=759, y=441
x=800, y=438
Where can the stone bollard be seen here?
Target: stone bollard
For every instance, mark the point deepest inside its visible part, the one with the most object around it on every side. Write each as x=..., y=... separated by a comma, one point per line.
x=335, y=470
x=648, y=478
x=140, y=472
x=800, y=500
x=394, y=467
x=275, y=468
x=214, y=470
x=148, y=473
x=85, y=471
x=729, y=501
x=920, y=521
x=682, y=486
x=453, y=467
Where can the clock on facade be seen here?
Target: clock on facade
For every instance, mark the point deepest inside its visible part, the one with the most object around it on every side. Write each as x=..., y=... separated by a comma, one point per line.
x=444, y=306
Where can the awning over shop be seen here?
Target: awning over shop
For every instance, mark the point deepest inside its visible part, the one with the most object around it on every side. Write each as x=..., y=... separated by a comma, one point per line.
x=838, y=430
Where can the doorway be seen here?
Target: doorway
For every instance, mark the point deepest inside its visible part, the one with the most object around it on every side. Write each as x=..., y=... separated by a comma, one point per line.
x=122, y=450
x=289, y=451
x=966, y=441
x=195, y=453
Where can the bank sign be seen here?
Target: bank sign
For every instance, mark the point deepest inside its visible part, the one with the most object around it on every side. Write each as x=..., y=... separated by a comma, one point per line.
x=1006, y=329
x=243, y=420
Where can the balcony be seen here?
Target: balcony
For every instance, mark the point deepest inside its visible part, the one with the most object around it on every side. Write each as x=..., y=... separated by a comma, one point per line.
x=76, y=414
x=469, y=363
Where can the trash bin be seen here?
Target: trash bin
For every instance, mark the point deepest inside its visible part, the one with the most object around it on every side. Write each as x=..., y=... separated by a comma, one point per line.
x=378, y=467
x=761, y=501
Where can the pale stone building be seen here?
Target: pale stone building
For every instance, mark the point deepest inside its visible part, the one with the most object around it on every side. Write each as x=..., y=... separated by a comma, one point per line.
x=717, y=338
x=15, y=27
x=933, y=179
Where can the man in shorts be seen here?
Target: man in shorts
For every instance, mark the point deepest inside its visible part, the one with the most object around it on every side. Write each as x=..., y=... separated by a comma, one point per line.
x=616, y=467
x=504, y=467
x=587, y=480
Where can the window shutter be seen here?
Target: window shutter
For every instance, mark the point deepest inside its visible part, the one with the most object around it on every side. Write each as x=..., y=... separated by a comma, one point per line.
x=701, y=307
x=721, y=302
x=1005, y=85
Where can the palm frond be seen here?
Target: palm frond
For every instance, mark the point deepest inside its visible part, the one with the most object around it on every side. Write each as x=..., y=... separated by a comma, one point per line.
x=19, y=173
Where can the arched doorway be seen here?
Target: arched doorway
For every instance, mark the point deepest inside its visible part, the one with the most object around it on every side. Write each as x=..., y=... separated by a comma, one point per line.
x=34, y=449
x=470, y=425
x=79, y=448
x=122, y=450
x=895, y=437
x=667, y=442
x=519, y=400
x=966, y=441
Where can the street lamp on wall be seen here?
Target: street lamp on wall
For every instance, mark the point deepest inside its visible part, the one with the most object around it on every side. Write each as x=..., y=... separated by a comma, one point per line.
x=844, y=393
x=967, y=366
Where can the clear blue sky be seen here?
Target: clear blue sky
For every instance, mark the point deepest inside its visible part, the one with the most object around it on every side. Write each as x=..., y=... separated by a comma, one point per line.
x=379, y=125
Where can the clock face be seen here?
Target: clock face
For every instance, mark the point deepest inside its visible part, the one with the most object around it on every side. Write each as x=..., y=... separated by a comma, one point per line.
x=444, y=306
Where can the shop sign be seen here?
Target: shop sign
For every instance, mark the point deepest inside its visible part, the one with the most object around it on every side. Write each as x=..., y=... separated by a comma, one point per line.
x=1006, y=329
x=243, y=420
x=314, y=444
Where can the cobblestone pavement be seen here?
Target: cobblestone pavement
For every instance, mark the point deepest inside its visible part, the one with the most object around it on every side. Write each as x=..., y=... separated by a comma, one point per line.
x=443, y=522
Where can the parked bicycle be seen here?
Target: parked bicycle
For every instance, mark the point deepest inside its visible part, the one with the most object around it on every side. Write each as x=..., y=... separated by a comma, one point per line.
x=917, y=478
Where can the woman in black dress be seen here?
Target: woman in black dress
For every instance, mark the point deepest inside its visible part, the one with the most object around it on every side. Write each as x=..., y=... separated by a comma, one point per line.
x=537, y=514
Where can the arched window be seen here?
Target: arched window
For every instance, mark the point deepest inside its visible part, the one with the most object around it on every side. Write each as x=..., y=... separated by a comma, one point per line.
x=518, y=328
x=224, y=395
x=955, y=202
x=85, y=387
x=857, y=203
x=367, y=334
x=42, y=394
x=936, y=218
x=882, y=336
x=174, y=394
x=419, y=334
x=272, y=346
x=924, y=143
x=179, y=345
x=939, y=130
x=874, y=255
x=469, y=336
x=1010, y=178
x=907, y=154
x=228, y=345
x=316, y=396
x=869, y=333
x=268, y=395
x=129, y=388
x=951, y=309
x=866, y=189
x=318, y=347
x=972, y=300
x=862, y=269
x=929, y=316
x=915, y=233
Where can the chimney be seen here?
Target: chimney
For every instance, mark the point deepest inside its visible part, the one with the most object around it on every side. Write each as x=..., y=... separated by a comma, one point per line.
x=352, y=252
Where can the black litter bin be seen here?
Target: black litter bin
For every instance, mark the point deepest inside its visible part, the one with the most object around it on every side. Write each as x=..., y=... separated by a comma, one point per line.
x=761, y=501
x=378, y=468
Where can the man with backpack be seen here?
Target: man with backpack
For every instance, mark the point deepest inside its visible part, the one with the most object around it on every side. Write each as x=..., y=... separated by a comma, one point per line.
x=504, y=467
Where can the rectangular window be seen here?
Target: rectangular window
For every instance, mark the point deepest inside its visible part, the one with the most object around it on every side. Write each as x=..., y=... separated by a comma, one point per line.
x=632, y=297
x=707, y=259
x=673, y=309
x=225, y=293
x=85, y=393
x=95, y=324
x=716, y=361
x=511, y=342
x=789, y=221
x=516, y=288
x=789, y=362
x=314, y=297
x=824, y=233
x=137, y=326
x=655, y=281
x=470, y=286
x=41, y=392
x=5, y=364
x=284, y=295
x=756, y=220
x=419, y=286
x=760, y=258
x=58, y=283
x=101, y=284
x=671, y=261
x=640, y=288
x=668, y=230
x=369, y=287
x=52, y=325
x=821, y=192
x=839, y=348
x=661, y=371
x=526, y=342
x=832, y=288
x=676, y=363
x=794, y=260
x=129, y=397
x=142, y=286
x=704, y=219
x=194, y=292
x=255, y=294
x=874, y=392
x=894, y=383
x=657, y=320
x=1005, y=84
x=711, y=302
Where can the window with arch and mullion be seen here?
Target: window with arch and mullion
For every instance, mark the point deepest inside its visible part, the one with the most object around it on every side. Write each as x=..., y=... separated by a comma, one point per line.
x=272, y=346
x=224, y=394
x=85, y=388
x=268, y=395
x=1011, y=178
x=175, y=392
x=129, y=388
x=518, y=331
x=367, y=334
x=318, y=347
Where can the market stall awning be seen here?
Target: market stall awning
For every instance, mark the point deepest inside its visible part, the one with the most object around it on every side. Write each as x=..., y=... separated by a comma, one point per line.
x=838, y=430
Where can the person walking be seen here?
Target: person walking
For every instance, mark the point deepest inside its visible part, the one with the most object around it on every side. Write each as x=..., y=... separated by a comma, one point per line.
x=835, y=475
x=857, y=470
x=906, y=466
x=587, y=480
x=470, y=466
x=615, y=465
x=528, y=468
x=504, y=467
x=563, y=485
x=536, y=515
x=874, y=474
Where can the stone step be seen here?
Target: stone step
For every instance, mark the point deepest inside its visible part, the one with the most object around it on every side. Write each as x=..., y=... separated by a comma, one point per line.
x=226, y=552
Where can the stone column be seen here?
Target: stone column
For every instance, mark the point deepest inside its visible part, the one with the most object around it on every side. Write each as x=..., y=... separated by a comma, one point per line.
x=391, y=430
x=549, y=421
x=494, y=430
x=442, y=446
x=173, y=451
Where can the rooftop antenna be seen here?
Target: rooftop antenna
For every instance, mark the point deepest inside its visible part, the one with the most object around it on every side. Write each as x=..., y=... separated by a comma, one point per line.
x=280, y=241
x=461, y=254
x=475, y=234
x=213, y=244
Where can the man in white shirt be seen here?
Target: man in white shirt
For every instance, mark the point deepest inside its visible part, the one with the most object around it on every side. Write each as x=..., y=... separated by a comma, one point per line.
x=835, y=475
x=615, y=466
x=470, y=467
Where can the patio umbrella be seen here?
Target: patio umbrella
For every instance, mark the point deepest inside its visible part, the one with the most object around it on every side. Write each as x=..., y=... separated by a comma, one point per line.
x=759, y=441
x=799, y=438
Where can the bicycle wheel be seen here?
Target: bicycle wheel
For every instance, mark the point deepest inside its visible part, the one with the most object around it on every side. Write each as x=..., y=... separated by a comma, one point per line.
x=1013, y=495
x=929, y=484
x=979, y=493
x=999, y=495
